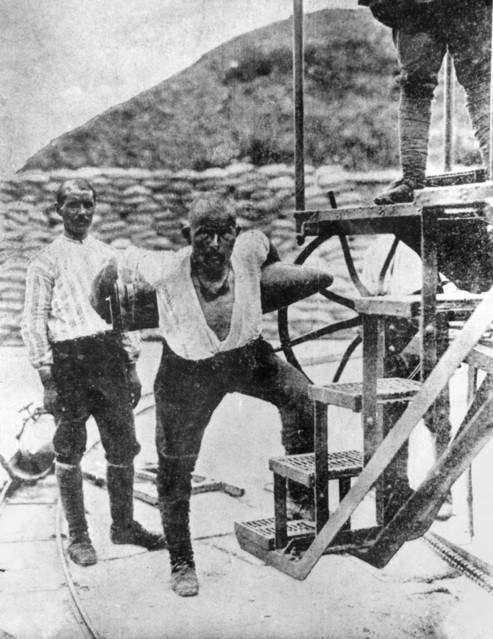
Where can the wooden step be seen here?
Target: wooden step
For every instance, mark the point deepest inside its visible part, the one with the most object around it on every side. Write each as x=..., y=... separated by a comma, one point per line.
x=301, y=468
x=460, y=177
x=261, y=532
x=257, y=536
x=451, y=196
x=349, y=395
x=357, y=220
x=409, y=306
x=389, y=218
x=481, y=357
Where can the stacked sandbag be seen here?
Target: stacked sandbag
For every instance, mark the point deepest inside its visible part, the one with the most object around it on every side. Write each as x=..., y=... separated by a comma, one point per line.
x=149, y=209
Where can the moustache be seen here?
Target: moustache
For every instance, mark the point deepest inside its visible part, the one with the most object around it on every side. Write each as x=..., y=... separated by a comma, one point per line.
x=214, y=255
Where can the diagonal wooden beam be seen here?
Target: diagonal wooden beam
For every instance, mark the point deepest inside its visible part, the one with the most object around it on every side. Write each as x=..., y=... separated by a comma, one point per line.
x=419, y=512
x=457, y=351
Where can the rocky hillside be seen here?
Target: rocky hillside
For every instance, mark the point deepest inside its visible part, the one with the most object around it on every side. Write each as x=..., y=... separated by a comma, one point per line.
x=236, y=103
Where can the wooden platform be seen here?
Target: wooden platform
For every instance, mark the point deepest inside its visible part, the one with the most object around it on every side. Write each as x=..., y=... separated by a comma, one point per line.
x=301, y=468
x=481, y=357
x=258, y=537
x=409, y=306
x=349, y=395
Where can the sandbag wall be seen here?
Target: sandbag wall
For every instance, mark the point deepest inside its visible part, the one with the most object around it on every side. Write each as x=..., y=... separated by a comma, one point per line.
x=148, y=208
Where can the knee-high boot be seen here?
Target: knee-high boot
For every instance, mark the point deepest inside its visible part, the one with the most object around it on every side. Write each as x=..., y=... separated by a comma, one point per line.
x=124, y=529
x=69, y=478
x=174, y=489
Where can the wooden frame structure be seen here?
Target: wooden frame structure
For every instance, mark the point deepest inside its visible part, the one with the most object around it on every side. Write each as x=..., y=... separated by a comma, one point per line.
x=456, y=201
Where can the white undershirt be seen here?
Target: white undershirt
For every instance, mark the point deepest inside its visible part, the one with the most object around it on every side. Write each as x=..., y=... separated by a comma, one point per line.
x=181, y=319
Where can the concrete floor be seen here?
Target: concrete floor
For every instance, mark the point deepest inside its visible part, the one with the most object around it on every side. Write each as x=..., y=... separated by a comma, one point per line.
x=127, y=593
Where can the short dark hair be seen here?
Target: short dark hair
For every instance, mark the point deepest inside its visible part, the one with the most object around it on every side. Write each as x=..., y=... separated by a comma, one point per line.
x=80, y=183
x=209, y=203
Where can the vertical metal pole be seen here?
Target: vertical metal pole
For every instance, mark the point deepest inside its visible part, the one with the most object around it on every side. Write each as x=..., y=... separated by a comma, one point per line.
x=490, y=167
x=472, y=382
x=448, y=107
x=299, y=147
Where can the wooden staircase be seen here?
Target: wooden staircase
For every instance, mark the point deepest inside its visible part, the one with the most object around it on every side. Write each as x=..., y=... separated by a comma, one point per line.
x=295, y=546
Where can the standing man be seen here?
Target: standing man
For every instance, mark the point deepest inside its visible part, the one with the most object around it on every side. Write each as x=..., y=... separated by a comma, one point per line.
x=210, y=315
x=423, y=30
x=85, y=370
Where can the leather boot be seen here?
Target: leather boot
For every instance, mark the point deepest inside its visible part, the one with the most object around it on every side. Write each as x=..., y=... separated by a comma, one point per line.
x=174, y=489
x=184, y=579
x=80, y=549
x=124, y=529
x=399, y=191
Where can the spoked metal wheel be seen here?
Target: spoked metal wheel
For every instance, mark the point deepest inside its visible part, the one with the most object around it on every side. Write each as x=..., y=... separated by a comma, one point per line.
x=329, y=317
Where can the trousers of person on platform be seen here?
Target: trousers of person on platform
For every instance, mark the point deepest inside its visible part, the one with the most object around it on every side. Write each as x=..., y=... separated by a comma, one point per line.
x=464, y=29
x=187, y=393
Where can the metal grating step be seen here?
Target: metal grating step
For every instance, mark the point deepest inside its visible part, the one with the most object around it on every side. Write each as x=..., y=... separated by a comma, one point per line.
x=349, y=395
x=261, y=531
x=301, y=468
x=257, y=536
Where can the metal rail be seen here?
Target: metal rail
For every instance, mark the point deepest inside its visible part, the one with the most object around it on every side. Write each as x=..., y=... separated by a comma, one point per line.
x=80, y=613
x=82, y=618
x=78, y=608
x=468, y=564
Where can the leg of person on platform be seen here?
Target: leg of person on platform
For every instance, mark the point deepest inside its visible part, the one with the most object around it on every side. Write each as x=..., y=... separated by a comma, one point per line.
x=469, y=37
x=271, y=379
x=420, y=56
x=185, y=402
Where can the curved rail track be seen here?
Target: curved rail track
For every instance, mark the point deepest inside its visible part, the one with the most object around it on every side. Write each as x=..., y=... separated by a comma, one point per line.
x=81, y=615
x=468, y=564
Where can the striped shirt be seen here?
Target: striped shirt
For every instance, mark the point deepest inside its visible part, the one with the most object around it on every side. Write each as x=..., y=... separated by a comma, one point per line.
x=57, y=305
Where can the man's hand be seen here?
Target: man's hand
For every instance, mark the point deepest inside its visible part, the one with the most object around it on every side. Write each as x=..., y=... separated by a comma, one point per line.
x=134, y=384
x=50, y=393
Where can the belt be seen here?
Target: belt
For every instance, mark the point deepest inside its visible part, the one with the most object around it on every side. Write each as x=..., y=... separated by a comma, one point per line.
x=86, y=339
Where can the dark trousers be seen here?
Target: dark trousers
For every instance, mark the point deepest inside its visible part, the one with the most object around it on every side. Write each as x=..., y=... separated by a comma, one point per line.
x=187, y=393
x=463, y=28
x=91, y=379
